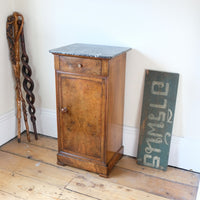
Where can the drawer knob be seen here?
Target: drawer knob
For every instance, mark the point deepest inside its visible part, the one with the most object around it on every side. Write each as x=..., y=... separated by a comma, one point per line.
x=64, y=110
x=80, y=65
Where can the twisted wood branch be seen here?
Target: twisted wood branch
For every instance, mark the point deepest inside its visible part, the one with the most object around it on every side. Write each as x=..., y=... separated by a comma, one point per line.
x=14, y=31
x=28, y=83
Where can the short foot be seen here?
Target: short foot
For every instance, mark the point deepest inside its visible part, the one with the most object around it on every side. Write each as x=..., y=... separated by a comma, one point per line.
x=19, y=140
x=60, y=163
x=103, y=175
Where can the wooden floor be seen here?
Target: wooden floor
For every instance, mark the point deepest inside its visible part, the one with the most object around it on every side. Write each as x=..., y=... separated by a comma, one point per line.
x=29, y=171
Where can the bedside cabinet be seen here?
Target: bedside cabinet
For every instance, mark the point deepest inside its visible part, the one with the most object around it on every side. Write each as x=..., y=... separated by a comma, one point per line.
x=90, y=103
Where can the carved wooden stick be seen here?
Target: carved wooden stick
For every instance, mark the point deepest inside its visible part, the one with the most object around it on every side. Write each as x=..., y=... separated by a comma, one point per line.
x=13, y=41
x=17, y=76
x=28, y=83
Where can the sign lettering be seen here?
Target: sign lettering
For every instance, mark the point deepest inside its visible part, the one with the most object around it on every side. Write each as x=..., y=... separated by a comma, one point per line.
x=157, y=118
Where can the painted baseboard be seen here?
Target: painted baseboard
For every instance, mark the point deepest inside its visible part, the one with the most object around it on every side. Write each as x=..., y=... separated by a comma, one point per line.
x=7, y=127
x=182, y=150
x=46, y=122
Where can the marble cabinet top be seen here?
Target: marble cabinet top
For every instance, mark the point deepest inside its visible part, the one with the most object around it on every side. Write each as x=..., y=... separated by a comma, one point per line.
x=90, y=50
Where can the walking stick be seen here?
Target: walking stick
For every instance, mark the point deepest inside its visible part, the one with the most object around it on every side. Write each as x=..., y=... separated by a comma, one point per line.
x=28, y=83
x=14, y=30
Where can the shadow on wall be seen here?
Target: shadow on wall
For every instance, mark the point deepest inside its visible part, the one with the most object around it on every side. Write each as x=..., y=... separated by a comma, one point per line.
x=136, y=65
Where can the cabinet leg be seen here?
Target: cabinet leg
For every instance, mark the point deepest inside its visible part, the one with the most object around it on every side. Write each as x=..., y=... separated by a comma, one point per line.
x=104, y=175
x=60, y=163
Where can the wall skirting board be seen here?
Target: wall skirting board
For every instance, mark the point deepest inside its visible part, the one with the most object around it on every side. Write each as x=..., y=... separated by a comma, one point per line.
x=7, y=127
x=181, y=151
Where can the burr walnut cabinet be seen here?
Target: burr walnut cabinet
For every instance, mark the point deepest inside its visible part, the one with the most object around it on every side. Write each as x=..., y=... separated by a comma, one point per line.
x=90, y=102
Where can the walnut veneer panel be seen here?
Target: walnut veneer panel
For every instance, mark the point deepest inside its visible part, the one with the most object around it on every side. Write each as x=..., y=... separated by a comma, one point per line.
x=81, y=124
x=90, y=104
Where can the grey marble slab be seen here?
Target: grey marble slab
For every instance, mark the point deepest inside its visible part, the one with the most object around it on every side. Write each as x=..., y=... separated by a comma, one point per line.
x=90, y=50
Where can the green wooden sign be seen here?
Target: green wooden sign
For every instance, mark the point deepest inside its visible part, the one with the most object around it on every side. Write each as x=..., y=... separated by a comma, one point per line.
x=156, y=124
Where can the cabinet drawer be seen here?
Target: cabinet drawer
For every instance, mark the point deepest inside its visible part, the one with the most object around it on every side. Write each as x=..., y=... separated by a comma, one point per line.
x=80, y=65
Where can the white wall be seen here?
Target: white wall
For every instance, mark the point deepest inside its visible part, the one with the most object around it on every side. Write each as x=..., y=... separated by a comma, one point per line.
x=164, y=35
x=6, y=75
x=7, y=90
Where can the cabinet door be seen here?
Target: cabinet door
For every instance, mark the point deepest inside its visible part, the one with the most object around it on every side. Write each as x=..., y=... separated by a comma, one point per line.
x=81, y=111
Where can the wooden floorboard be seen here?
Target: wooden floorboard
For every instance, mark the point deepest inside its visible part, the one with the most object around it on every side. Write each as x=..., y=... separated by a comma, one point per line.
x=36, y=161
x=29, y=188
x=8, y=196
x=172, y=174
x=36, y=170
x=43, y=141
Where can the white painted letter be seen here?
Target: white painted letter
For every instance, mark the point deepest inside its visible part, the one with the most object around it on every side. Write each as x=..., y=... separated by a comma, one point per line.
x=160, y=85
x=163, y=106
x=155, y=163
x=161, y=116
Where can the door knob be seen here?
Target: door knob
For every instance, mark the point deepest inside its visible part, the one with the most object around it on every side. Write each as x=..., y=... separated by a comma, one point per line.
x=64, y=110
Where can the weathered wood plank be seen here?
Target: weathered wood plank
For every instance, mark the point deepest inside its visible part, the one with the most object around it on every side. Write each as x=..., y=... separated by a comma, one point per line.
x=37, y=170
x=156, y=124
x=121, y=176
x=31, y=151
x=108, y=191
x=24, y=187
x=29, y=188
x=8, y=196
x=43, y=141
x=172, y=174
x=35, y=152
x=154, y=185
